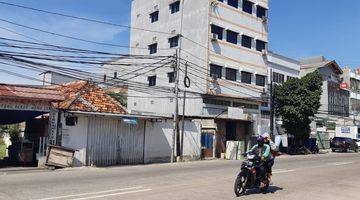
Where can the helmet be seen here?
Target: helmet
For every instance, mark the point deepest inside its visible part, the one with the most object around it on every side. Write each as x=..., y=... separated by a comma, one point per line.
x=266, y=135
x=260, y=141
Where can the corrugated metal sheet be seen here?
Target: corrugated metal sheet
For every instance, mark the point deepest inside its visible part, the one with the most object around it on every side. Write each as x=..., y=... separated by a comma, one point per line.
x=112, y=142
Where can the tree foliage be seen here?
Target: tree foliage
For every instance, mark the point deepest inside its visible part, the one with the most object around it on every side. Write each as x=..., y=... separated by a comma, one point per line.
x=13, y=130
x=296, y=101
x=119, y=97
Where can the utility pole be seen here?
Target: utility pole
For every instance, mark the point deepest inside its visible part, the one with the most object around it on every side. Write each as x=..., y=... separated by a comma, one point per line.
x=183, y=113
x=271, y=104
x=176, y=111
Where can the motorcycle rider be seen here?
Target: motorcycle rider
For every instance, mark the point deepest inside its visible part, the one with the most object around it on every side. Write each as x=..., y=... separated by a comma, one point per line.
x=274, y=153
x=264, y=152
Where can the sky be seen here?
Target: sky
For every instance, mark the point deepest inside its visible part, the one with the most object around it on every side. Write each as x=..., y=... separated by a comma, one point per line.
x=298, y=29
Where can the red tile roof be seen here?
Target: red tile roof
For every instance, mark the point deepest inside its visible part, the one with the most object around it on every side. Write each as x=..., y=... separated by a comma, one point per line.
x=88, y=97
x=29, y=92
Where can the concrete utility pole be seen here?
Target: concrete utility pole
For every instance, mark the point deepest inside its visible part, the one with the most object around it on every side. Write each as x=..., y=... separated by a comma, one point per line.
x=176, y=111
x=271, y=104
x=183, y=113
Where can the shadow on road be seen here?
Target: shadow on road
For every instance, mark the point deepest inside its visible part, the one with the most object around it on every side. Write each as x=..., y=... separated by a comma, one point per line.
x=272, y=190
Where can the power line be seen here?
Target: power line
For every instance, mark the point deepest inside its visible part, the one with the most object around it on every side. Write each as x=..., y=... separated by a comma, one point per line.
x=83, y=18
x=75, y=38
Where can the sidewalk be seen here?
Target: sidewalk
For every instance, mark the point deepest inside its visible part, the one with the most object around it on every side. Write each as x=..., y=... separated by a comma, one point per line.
x=18, y=170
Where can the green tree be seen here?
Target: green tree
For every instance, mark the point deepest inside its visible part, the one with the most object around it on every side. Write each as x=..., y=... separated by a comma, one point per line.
x=296, y=101
x=13, y=130
x=119, y=97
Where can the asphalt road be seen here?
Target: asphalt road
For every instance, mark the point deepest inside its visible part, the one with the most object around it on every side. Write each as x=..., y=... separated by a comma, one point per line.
x=330, y=176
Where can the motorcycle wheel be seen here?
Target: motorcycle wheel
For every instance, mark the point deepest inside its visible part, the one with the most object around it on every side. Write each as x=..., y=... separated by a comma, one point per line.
x=266, y=187
x=239, y=186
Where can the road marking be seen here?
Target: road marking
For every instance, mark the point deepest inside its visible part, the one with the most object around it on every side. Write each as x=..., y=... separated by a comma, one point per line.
x=283, y=171
x=340, y=163
x=113, y=194
x=92, y=193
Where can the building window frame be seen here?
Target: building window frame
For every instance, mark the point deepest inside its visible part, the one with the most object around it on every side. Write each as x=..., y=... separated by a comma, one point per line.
x=246, y=77
x=230, y=74
x=260, y=80
x=171, y=76
x=154, y=16
x=152, y=81
x=174, y=41
x=246, y=41
x=260, y=45
x=217, y=30
x=174, y=7
x=216, y=71
x=247, y=6
x=153, y=48
x=232, y=36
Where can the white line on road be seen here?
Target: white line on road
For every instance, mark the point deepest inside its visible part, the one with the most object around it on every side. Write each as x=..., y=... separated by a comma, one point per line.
x=283, y=171
x=92, y=193
x=340, y=163
x=113, y=194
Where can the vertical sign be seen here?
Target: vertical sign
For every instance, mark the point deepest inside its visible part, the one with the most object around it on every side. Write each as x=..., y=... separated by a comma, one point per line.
x=53, y=125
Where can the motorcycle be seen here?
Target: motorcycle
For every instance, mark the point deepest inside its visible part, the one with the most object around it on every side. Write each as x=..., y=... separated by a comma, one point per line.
x=249, y=177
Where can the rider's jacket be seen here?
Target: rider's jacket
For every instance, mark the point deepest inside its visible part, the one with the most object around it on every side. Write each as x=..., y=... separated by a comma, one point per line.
x=262, y=151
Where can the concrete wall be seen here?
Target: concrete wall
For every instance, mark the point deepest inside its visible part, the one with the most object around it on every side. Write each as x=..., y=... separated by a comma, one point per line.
x=158, y=138
x=75, y=137
x=159, y=141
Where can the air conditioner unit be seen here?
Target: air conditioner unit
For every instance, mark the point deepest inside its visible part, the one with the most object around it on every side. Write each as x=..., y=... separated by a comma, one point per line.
x=264, y=52
x=214, y=37
x=264, y=19
x=214, y=77
x=214, y=3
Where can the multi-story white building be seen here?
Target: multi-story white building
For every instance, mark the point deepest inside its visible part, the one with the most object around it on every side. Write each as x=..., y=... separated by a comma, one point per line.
x=280, y=69
x=224, y=43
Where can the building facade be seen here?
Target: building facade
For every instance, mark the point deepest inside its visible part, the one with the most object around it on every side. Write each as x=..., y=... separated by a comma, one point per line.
x=280, y=69
x=221, y=44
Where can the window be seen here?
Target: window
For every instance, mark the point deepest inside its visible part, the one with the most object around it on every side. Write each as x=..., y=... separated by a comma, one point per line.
x=261, y=11
x=154, y=17
x=175, y=7
x=174, y=41
x=245, y=105
x=260, y=80
x=215, y=71
x=231, y=74
x=216, y=102
x=152, y=80
x=260, y=45
x=233, y=3
x=278, y=78
x=153, y=48
x=248, y=6
x=246, y=41
x=218, y=31
x=71, y=121
x=231, y=36
x=171, y=76
x=246, y=77
x=289, y=78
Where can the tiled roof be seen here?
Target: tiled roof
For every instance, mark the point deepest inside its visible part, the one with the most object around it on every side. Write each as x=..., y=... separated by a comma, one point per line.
x=29, y=92
x=88, y=97
x=317, y=65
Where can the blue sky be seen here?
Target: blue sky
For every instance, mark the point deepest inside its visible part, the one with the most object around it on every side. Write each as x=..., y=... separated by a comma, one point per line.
x=297, y=28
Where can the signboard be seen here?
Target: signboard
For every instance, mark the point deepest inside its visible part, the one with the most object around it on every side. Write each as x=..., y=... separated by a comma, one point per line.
x=24, y=105
x=130, y=120
x=236, y=113
x=345, y=130
x=53, y=126
x=344, y=86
